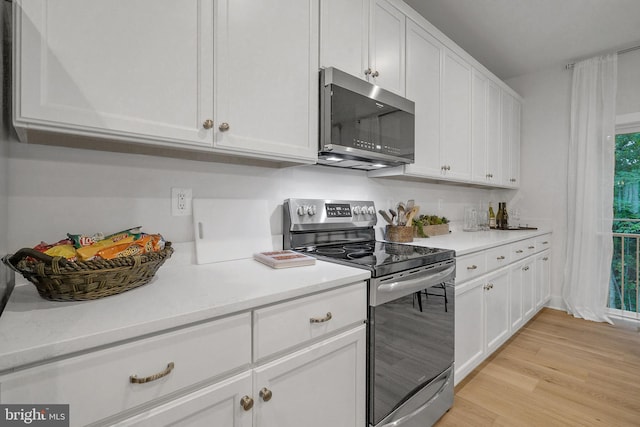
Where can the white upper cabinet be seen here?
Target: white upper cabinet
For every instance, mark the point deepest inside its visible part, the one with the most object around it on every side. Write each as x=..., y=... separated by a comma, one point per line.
x=365, y=38
x=486, y=132
x=344, y=35
x=456, y=117
x=142, y=70
x=149, y=72
x=424, y=76
x=511, y=111
x=479, y=122
x=494, y=135
x=266, y=78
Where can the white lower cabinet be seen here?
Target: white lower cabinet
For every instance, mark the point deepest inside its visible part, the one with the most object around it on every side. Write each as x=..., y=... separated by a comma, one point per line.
x=543, y=278
x=216, y=405
x=323, y=385
x=206, y=375
x=492, y=306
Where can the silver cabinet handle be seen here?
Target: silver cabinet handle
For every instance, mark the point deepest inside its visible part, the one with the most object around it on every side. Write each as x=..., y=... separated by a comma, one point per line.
x=545, y=259
x=375, y=73
x=224, y=127
x=326, y=318
x=519, y=251
x=367, y=71
x=207, y=124
x=532, y=247
x=525, y=268
x=472, y=267
x=545, y=243
x=500, y=258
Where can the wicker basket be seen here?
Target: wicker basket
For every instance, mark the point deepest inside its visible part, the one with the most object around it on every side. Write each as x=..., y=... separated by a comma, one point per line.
x=60, y=280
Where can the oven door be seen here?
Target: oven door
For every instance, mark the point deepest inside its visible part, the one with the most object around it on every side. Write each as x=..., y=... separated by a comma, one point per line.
x=411, y=347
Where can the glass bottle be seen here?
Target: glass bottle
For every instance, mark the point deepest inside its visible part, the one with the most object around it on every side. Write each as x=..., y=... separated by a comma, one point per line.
x=505, y=217
x=492, y=217
x=500, y=216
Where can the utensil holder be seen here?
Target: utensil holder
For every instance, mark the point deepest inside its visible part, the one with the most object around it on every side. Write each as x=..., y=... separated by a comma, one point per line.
x=399, y=233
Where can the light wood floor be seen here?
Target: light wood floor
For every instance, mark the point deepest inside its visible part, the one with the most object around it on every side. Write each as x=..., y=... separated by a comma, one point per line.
x=556, y=371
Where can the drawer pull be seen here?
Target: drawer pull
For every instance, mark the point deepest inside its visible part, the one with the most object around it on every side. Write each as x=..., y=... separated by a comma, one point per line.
x=135, y=380
x=247, y=403
x=545, y=243
x=488, y=286
x=525, y=268
x=500, y=258
x=321, y=319
x=266, y=394
x=532, y=247
x=519, y=251
x=545, y=259
x=472, y=267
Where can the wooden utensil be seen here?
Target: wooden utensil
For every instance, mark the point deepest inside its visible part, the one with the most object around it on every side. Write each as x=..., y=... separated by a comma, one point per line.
x=386, y=216
x=413, y=212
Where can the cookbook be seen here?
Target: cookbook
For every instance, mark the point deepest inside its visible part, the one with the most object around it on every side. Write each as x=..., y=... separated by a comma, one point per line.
x=284, y=259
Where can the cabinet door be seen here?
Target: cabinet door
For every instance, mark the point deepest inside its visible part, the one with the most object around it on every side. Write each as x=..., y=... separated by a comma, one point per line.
x=92, y=68
x=387, y=47
x=514, y=150
x=323, y=385
x=543, y=278
x=424, y=71
x=511, y=112
x=496, y=297
x=216, y=405
x=480, y=172
x=515, y=300
x=469, y=335
x=266, y=78
x=456, y=117
x=494, y=134
x=344, y=35
x=506, y=107
x=528, y=289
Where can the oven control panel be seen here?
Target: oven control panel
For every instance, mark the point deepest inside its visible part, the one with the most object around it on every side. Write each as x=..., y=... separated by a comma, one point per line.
x=330, y=214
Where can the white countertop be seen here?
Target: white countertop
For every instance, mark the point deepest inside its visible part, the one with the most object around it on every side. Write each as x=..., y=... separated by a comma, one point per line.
x=466, y=242
x=33, y=329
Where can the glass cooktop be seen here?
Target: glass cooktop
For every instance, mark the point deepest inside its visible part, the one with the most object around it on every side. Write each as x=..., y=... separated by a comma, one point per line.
x=381, y=258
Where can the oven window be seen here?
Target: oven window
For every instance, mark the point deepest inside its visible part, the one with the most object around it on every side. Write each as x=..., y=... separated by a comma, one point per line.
x=407, y=347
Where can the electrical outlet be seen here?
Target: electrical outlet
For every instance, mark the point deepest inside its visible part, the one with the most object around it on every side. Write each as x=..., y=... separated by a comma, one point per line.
x=181, y=201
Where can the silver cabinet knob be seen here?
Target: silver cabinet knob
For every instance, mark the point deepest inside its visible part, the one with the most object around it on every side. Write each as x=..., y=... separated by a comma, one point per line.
x=367, y=71
x=375, y=74
x=207, y=124
x=223, y=127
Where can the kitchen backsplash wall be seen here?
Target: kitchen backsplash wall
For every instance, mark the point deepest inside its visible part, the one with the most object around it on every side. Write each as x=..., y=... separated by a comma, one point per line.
x=56, y=190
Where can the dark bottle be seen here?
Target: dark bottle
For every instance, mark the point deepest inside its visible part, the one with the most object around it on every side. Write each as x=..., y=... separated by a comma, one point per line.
x=505, y=217
x=502, y=217
x=499, y=216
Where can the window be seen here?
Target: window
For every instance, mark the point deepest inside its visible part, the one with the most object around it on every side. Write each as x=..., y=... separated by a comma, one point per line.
x=624, y=284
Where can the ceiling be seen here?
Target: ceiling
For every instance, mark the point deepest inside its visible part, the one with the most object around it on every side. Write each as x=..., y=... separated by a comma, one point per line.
x=516, y=37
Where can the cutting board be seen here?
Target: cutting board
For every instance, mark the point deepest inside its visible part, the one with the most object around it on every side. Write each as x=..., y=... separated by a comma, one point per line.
x=228, y=229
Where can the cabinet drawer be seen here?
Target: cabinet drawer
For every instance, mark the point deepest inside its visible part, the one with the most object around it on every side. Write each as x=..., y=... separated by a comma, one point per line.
x=97, y=385
x=469, y=266
x=498, y=257
x=522, y=249
x=286, y=325
x=543, y=242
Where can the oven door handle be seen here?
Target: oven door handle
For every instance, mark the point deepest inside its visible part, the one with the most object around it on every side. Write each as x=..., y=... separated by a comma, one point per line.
x=409, y=286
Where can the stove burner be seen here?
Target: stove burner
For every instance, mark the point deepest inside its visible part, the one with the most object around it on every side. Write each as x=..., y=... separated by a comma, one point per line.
x=360, y=254
x=359, y=247
x=330, y=251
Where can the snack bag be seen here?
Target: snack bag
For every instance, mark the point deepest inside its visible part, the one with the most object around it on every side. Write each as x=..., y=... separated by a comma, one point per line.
x=66, y=251
x=126, y=236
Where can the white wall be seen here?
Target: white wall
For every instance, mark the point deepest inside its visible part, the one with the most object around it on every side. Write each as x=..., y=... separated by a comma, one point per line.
x=53, y=191
x=545, y=141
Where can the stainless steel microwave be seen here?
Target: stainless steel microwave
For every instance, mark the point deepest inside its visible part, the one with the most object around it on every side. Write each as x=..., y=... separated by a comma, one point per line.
x=363, y=126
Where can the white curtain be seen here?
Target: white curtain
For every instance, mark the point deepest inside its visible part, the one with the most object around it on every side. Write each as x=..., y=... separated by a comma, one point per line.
x=590, y=188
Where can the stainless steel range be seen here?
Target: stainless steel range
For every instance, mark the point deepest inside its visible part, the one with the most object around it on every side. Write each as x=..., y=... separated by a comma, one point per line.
x=411, y=307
